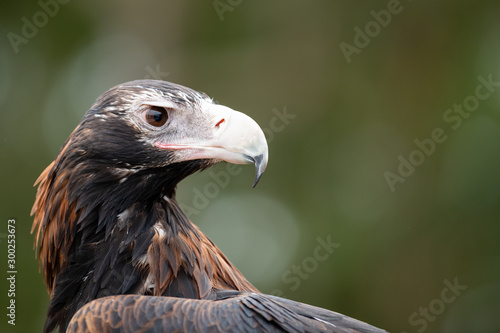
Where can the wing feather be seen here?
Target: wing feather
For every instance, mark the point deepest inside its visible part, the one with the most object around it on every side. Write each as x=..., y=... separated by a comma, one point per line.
x=235, y=312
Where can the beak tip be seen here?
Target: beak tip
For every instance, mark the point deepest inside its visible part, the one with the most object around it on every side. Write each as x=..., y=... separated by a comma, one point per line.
x=257, y=178
x=260, y=166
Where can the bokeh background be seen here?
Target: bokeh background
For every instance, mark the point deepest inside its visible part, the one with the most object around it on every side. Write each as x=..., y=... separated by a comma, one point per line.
x=336, y=125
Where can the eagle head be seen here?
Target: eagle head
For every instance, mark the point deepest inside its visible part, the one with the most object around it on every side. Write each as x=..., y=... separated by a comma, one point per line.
x=147, y=124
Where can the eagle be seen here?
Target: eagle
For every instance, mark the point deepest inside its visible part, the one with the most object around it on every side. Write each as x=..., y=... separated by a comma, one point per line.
x=116, y=251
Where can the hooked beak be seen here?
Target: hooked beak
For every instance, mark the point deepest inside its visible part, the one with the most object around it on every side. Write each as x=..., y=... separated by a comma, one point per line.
x=234, y=138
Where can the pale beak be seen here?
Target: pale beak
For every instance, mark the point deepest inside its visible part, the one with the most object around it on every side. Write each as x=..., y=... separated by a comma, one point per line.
x=236, y=138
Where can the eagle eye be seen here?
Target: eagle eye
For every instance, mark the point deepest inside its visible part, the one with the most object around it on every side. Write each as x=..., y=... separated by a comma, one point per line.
x=156, y=116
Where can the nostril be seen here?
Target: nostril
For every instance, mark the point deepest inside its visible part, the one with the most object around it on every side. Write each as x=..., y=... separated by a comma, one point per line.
x=220, y=122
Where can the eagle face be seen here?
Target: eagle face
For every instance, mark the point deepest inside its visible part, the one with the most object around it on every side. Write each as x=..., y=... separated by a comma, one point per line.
x=152, y=124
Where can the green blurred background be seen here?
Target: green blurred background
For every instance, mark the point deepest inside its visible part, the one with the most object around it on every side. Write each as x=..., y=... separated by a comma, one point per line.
x=346, y=125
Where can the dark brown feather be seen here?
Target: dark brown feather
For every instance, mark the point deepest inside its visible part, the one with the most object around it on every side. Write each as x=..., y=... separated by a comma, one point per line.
x=231, y=312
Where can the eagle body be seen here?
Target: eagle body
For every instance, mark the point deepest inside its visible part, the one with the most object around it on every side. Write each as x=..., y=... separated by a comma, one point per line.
x=117, y=252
